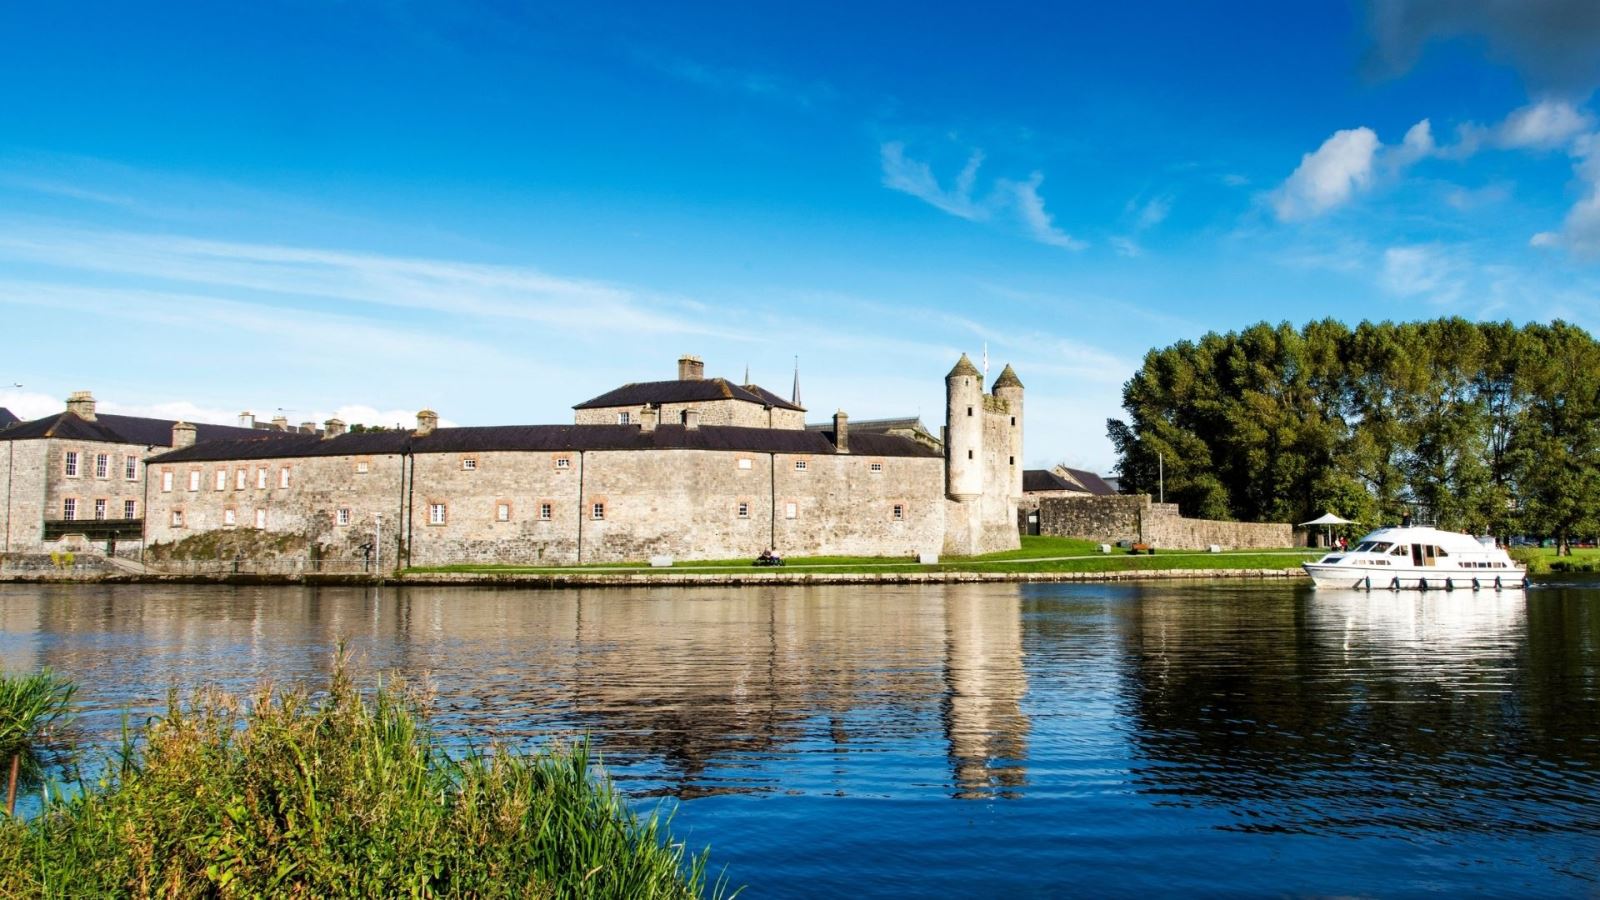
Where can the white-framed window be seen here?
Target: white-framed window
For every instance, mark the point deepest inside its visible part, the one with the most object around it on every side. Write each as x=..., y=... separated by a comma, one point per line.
x=283, y=477
x=744, y=510
x=177, y=518
x=362, y=466
x=502, y=512
x=69, y=509
x=194, y=479
x=563, y=462
x=341, y=516
x=899, y=513
x=130, y=468
x=545, y=511
x=166, y=482
x=70, y=465
x=261, y=518
x=624, y=418
x=791, y=510
x=745, y=463
x=241, y=479
x=100, y=508
x=799, y=465
x=222, y=479
x=130, y=509
x=436, y=513
x=261, y=479
x=876, y=467
x=102, y=465
x=598, y=512
x=229, y=517
x=469, y=464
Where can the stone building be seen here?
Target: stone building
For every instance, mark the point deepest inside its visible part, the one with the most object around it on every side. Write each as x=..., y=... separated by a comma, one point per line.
x=906, y=427
x=676, y=477
x=76, y=480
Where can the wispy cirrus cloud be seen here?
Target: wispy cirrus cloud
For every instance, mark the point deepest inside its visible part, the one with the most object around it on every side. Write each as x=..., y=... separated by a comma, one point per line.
x=1040, y=223
x=916, y=178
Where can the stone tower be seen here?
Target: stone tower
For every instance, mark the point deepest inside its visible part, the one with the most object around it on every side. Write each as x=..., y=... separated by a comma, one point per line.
x=1008, y=387
x=963, y=445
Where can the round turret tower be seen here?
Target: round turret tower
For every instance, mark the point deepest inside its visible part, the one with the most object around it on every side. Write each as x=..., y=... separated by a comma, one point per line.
x=963, y=443
x=1008, y=387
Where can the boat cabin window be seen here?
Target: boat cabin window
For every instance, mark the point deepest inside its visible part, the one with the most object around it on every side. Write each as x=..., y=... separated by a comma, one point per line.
x=1400, y=550
x=1373, y=547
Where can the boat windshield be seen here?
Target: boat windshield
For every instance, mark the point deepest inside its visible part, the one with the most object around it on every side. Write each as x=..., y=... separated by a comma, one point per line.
x=1373, y=547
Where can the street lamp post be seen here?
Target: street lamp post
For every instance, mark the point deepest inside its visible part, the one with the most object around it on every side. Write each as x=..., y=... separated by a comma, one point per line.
x=1161, y=475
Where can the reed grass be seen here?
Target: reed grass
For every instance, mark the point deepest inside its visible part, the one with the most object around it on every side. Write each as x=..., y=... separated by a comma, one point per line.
x=339, y=795
x=33, y=710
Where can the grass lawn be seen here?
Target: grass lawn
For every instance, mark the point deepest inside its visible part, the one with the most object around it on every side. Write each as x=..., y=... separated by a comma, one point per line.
x=1037, y=554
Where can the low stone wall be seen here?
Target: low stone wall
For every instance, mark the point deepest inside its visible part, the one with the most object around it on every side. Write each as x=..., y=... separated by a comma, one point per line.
x=54, y=567
x=1136, y=517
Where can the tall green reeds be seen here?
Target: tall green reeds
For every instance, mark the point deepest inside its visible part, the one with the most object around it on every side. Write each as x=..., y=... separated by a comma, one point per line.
x=339, y=796
x=32, y=709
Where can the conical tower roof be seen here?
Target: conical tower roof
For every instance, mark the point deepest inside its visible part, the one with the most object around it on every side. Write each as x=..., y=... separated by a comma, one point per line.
x=1007, y=378
x=964, y=366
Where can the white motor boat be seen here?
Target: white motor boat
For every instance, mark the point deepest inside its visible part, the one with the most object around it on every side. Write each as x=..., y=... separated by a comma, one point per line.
x=1412, y=559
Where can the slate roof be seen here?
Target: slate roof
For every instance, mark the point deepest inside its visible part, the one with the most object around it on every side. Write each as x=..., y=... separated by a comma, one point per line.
x=1091, y=482
x=685, y=391
x=1037, y=480
x=878, y=426
x=545, y=438
x=113, y=429
x=7, y=418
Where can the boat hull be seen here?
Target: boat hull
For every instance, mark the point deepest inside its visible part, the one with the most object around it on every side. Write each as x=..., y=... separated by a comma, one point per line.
x=1414, y=579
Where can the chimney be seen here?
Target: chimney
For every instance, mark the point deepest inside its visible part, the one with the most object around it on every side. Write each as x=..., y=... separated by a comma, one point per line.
x=647, y=419
x=280, y=423
x=691, y=419
x=81, y=403
x=427, y=421
x=841, y=431
x=332, y=428
x=247, y=419
x=308, y=428
x=691, y=368
x=182, y=435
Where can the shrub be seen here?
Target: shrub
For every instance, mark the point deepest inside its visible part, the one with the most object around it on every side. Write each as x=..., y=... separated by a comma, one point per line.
x=33, y=710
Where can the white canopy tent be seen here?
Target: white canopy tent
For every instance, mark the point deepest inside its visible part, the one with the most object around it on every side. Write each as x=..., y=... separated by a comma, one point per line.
x=1327, y=521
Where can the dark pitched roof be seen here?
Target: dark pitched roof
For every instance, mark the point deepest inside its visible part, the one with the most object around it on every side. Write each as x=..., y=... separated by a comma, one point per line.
x=1036, y=480
x=878, y=426
x=542, y=438
x=964, y=366
x=1091, y=482
x=113, y=429
x=1007, y=378
x=684, y=391
x=7, y=418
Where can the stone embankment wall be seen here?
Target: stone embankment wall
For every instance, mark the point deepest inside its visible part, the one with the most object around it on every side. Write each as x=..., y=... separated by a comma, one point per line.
x=1136, y=517
x=59, y=566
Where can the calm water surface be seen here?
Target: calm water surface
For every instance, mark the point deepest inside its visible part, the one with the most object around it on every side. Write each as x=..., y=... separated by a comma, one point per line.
x=1050, y=740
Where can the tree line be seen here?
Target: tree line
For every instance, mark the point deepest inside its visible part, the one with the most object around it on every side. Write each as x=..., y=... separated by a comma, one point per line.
x=1484, y=427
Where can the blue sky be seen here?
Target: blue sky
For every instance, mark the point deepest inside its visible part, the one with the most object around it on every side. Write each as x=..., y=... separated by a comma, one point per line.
x=500, y=210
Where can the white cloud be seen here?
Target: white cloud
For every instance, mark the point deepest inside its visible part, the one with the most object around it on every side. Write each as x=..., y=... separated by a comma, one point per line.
x=1040, y=224
x=26, y=405
x=1418, y=144
x=1329, y=176
x=1154, y=212
x=1422, y=271
x=1126, y=247
x=1580, y=231
x=1546, y=125
x=909, y=176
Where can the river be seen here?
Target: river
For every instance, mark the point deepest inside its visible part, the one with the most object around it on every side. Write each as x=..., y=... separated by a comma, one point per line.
x=1195, y=739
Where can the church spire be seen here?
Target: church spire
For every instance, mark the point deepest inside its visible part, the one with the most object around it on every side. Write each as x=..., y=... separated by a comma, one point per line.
x=794, y=397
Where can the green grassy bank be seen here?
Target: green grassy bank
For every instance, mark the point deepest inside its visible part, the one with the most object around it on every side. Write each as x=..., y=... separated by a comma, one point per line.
x=341, y=796
x=1037, y=554
x=1544, y=561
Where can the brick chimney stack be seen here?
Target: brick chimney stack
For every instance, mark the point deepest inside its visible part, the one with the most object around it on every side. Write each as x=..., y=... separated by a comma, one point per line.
x=648, y=418
x=841, y=431
x=247, y=419
x=332, y=428
x=81, y=403
x=691, y=419
x=691, y=368
x=427, y=421
x=182, y=435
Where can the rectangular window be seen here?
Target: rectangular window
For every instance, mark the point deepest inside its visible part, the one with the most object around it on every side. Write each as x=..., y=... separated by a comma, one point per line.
x=799, y=465
x=899, y=513
x=177, y=518
x=261, y=479
x=563, y=462
x=744, y=463
x=99, y=509
x=229, y=518
x=194, y=480
x=1012, y=460
x=130, y=509
x=791, y=510
x=969, y=454
x=69, y=509
x=469, y=464
x=502, y=512
x=222, y=479
x=624, y=418
x=261, y=518
x=876, y=467
x=744, y=510
x=102, y=465
x=241, y=479
x=130, y=468
x=72, y=464
x=599, y=511
x=283, y=478
x=544, y=511
x=436, y=514
x=361, y=467
x=969, y=410
x=341, y=516
x=166, y=482
x=1013, y=421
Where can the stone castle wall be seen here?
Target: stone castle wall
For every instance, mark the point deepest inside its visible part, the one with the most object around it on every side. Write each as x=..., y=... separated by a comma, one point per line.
x=1135, y=517
x=36, y=487
x=742, y=413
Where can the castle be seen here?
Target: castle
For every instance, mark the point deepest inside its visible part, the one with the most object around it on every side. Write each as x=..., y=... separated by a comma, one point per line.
x=689, y=468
